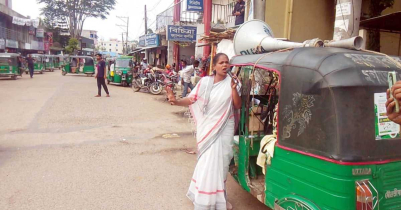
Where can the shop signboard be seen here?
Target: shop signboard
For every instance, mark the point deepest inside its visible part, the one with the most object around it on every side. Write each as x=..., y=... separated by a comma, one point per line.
x=142, y=41
x=195, y=5
x=149, y=40
x=152, y=40
x=181, y=33
x=40, y=32
x=11, y=43
x=2, y=44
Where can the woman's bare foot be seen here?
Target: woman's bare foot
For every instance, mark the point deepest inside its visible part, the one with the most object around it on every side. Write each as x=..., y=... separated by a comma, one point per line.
x=98, y=96
x=229, y=206
x=107, y=95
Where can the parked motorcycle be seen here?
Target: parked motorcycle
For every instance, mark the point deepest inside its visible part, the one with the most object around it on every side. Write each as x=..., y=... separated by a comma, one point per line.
x=149, y=80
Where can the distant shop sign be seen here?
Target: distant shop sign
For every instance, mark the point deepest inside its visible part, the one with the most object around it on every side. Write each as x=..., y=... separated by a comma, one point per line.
x=195, y=5
x=152, y=40
x=149, y=40
x=11, y=43
x=181, y=33
x=142, y=41
x=40, y=33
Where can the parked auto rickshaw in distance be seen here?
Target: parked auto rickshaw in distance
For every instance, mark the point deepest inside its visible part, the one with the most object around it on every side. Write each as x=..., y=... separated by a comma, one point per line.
x=79, y=65
x=315, y=135
x=9, y=65
x=120, y=72
x=49, y=62
x=38, y=64
x=58, y=61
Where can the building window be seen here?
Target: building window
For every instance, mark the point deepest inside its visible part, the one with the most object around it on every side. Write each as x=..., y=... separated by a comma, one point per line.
x=116, y=45
x=91, y=35
x=110, y=45
x=109, y=50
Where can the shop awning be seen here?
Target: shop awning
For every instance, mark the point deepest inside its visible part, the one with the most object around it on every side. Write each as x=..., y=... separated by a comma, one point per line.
x=387, y=23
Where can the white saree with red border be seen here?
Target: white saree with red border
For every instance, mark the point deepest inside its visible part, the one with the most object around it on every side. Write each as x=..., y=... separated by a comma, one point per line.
x=213, y=112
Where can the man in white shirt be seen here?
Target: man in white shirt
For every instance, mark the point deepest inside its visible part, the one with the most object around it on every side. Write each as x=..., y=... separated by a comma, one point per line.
x=187, y=72
x=144, y=64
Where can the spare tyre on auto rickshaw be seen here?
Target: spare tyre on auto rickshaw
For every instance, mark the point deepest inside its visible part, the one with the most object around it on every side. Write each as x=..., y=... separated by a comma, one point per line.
x=38, y=64
x=79, y=65
x=9, y=65
x=313, y=131
x=49, y=62
x=121, y=72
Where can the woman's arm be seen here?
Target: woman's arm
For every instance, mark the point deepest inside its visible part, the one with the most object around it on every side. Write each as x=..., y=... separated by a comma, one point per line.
x=173, y=101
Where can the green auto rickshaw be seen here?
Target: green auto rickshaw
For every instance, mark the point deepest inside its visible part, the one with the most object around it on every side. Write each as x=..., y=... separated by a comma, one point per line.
x=79, y=65
x=313, y=132
x=9, y=65
x=38, y=64
x=49, y=62
x=58, y=61
x=120, y=72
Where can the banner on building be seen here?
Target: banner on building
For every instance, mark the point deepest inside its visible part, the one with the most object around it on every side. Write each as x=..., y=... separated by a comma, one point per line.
x=195, y=5
x=49, y=38
x=2, y=44
x=11, y=43
x=40, y=33
x=181, y=33
x=25, y=22
x=149, y=40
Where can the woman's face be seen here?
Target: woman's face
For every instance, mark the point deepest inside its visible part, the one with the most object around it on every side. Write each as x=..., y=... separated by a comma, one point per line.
x=222, y=66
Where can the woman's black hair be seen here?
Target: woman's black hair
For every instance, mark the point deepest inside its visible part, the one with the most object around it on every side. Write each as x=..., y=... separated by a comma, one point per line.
x=216, y=59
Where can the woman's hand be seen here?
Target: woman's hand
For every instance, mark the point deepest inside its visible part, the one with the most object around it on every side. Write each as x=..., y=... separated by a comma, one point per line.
x=234, y=82
x=171, y=96
x=390, y=104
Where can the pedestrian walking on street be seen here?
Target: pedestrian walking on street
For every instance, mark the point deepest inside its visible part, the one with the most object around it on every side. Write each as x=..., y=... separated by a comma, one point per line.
x=213, y=113
x=30, y=65
x=101, y=76
x=187, y=72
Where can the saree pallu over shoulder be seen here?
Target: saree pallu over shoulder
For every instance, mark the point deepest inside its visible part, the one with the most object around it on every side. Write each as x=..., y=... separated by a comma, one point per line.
x=211, y=109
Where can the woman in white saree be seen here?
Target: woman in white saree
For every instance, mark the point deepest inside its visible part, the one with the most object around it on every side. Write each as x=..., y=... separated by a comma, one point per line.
x=212, y=103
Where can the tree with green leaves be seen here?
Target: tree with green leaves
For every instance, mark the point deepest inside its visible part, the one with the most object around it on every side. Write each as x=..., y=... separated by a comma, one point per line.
x=75, y=12
x=73, y=45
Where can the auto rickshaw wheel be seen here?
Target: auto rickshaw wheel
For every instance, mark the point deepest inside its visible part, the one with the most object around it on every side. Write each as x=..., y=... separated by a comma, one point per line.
x=41, y=72
x=108, y=81
x=64, y=73
x=14, y=77
x=124, y=84
x=26, y=72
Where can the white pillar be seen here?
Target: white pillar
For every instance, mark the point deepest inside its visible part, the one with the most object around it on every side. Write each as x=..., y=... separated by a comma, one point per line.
x=348, y=13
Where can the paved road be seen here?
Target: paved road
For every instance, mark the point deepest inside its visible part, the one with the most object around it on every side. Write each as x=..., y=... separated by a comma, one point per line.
x=62, y=148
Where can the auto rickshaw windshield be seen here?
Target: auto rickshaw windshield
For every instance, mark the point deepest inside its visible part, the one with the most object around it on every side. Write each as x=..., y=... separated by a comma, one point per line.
x=8, y=61
x=125, y=63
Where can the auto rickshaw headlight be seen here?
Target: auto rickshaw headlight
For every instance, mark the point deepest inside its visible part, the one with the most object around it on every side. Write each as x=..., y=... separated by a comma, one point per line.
x=119, y=73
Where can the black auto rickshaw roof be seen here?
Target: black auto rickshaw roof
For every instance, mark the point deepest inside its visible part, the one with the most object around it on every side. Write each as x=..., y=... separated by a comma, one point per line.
x=9, y=55
x=340, y=67
x=327, y=102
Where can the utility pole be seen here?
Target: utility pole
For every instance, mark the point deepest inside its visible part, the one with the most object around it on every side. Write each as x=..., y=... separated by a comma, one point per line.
x=146, y=32
x=125, y=19
x=146, y=22
x=122, y=40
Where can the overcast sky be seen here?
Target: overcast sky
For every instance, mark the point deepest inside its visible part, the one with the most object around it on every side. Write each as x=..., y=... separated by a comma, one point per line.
x=107, y=28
